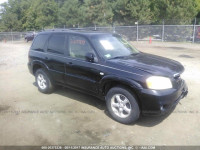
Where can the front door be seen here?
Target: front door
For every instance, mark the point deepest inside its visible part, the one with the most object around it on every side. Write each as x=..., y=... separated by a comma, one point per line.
x=80, y=73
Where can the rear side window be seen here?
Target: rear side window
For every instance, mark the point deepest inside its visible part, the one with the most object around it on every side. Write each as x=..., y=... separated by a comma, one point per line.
x=57, y=44
x=39, y=42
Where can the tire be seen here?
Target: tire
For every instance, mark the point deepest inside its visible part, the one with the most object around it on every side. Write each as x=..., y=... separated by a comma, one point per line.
x=122, y=105
x=44, y=82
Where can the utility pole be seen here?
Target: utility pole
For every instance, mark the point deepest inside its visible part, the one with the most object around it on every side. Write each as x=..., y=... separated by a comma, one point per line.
x=163, y=31
x=137, y=29
x=12, y=35
x=194, y=29
x=95, y=27
x=113, y=27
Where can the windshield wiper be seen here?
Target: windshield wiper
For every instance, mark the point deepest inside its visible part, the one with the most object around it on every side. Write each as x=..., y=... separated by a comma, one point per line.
x=38, y=49
x=133, y=54
x=117, y=57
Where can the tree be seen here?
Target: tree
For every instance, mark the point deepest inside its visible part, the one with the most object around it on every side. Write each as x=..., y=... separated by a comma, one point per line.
x=85, y=13
x=71, y=13
x=21, y=15
x=98, y=12
x=174, y=12
x=198, y=11
x=42, y=13
x=13, y=14
x=127, y=12
x=10, y=15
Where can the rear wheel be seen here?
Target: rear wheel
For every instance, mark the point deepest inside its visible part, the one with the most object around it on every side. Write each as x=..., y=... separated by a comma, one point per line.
x=43, y=80
x=122, y=105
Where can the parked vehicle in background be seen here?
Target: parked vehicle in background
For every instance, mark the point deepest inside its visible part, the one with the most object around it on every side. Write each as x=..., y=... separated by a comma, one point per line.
x=29, y=36
x=198, y=34
x=108, y=67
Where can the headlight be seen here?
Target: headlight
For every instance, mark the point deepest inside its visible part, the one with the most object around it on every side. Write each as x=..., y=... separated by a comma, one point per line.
x=158, y=83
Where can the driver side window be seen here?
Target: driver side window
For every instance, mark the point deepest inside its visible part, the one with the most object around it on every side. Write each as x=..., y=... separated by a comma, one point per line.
x=79, y=47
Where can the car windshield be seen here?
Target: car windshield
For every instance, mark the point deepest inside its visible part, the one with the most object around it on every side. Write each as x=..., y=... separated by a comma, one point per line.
x=111, y=46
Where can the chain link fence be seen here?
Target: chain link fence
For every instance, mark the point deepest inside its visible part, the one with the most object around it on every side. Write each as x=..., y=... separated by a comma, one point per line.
x=164, y=33
x=13, y=36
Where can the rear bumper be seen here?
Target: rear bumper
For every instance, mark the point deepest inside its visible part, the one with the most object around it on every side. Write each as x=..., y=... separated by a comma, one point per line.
x=160, y=102
x=30, y=67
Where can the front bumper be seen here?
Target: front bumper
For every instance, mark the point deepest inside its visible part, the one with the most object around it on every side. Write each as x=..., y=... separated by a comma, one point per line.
x=159, y=102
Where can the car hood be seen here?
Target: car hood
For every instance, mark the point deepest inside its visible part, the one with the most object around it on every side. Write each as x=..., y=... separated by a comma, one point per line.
x=150, y=63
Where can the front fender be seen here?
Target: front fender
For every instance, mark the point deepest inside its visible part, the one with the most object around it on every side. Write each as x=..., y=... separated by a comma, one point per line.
x=129, y=82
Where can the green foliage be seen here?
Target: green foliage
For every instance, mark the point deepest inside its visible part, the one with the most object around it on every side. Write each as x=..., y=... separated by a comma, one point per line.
x=12, y=15
x=198, y=10
x=18, y=15
x=85, y=13
x=71, y=13
x=42, y=13
x=129, y=11
x=174, y=11
x=98, y=12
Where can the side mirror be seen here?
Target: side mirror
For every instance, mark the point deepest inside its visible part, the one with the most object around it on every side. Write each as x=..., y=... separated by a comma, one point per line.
x=89, y=57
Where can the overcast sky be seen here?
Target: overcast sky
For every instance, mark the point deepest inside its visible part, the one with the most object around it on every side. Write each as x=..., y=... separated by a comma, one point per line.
x=2, y=1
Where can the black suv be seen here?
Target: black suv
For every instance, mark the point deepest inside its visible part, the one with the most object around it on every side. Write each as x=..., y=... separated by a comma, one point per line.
x=106, y=66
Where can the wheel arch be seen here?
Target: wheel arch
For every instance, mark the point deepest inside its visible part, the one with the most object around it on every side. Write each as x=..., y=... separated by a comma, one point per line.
x=128, y=84
x=37, y=65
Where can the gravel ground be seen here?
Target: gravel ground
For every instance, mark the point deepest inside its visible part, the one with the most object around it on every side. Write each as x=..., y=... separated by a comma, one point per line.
x=67, y=117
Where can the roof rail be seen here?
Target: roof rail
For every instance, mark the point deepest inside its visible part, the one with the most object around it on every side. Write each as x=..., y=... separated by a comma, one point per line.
x=69, y=29
x=56, y=29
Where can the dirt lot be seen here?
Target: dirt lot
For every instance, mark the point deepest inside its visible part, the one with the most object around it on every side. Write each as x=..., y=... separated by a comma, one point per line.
x=67, y=117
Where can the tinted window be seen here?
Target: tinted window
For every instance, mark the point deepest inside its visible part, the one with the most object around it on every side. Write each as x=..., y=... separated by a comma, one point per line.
x=79, y=46
x=39, y=42
x=57, y=44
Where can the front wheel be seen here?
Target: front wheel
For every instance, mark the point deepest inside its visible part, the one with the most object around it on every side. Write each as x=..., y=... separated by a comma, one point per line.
x=122, y=105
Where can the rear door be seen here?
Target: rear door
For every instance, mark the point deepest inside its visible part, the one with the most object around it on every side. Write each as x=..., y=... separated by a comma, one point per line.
x=56, y=48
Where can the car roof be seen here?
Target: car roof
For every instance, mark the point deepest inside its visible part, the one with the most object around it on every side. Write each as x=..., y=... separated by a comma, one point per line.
x=80, y=32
